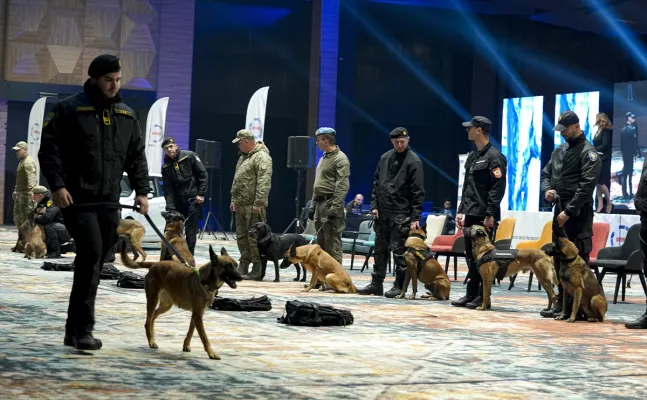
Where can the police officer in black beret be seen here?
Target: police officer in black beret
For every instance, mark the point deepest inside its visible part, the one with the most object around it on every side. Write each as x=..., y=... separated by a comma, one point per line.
x=185, y=186
x=396, y=205
x=483, y=190
x=572, y=174
x=88, y=141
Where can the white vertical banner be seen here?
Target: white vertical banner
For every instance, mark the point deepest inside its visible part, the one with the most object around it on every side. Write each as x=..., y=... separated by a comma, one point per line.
x=36, y=117
x=461, y=177
x=255, y=119
x=155, y=124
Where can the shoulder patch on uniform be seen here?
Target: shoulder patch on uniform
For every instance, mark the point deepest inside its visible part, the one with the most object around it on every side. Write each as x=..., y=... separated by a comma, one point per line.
x=123, y=112
x=497, y=172
x=48, y=119
x=593, y=155
x=85, y=108
x=49, y=203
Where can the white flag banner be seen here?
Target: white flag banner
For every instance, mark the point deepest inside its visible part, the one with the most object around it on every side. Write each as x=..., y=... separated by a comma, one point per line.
x=255, y=120
x=461, y=177
x=155, y=124
x=36, y=117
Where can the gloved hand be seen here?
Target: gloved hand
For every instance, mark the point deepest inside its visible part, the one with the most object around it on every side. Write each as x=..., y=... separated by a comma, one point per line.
x=311, y=214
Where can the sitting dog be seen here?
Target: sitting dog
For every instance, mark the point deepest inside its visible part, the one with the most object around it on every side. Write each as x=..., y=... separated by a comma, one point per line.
x=421, y=264
x=174, y=233
x=169, y=283
x=579, y=284
x=323, y=268
x=133, y=231
x=36, y=247
x=24, y=232
x=272, y=247
x=493, y=263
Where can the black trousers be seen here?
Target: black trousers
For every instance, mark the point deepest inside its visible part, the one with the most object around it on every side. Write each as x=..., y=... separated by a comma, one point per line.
x=578, y=230
x=56, y=234
x=193, y=211
x=474, y=282
x=391, y=232
x=643, y=239
x=627, y=174
x=94, y=233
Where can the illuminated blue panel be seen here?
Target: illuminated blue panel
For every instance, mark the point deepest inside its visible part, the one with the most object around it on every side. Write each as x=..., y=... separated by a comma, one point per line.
x=586, y=105
x=521, y=146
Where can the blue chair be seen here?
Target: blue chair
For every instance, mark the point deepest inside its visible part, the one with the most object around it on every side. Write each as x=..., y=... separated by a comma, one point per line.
x=355, y=243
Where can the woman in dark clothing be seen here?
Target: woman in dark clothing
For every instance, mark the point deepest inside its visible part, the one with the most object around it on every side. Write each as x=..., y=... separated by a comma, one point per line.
x=602, y=143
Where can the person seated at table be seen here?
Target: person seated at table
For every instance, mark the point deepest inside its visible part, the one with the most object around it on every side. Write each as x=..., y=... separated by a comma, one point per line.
x=450, y=223
x=355, y=206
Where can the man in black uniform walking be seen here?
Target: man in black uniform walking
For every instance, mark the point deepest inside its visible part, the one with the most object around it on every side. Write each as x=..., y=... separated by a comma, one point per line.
x=484, y=187
x=396, y=205
x=572, y=174
x=185, y=185
x=88, y=141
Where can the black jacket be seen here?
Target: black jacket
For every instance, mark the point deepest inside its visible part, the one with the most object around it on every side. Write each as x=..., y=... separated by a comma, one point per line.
x=185, y=177
x=398, y=185
x=485, y=182
x=87, y=144
x=52, y=213
x=573, y=172
x=629, y=141
x=641, y=193
x=602, y=143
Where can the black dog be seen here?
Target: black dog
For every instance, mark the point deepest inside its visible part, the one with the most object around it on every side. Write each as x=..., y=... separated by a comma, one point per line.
x=272, y=247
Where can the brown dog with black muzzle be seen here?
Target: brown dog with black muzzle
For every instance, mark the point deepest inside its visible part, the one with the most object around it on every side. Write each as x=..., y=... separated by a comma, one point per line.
x=169, y=283
x=493, y=263
x=422, y=265
x=322, y=267
x=579, y=283
x=36, y=247
x=24, y=232
x=174, y=233
x=133, y=231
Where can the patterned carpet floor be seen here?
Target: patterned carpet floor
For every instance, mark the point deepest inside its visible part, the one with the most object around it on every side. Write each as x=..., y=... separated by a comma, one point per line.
x=396, y=349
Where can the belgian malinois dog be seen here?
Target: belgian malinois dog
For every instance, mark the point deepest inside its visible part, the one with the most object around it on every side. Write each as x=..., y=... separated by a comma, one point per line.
x=174, y=233
x=425, y=268
x=322, y=267
x=133, y=231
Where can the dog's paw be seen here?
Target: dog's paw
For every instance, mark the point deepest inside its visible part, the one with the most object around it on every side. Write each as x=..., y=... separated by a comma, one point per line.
x=560, y=317
x=481, y=308
x=153, y=345
x=593, y=320
x=186, y=349
x=572, y=319
x=412, y=297
x=400, y=296
x=305, y=290
x=214, y=356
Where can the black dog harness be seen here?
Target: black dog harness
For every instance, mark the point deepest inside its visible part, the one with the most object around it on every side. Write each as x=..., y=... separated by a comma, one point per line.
x=422, y=256
x=502, y=257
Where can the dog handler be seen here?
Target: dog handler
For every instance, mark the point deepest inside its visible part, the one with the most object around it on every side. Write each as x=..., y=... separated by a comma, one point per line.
x=641, y=208
x=483, y=190
x=88, y=141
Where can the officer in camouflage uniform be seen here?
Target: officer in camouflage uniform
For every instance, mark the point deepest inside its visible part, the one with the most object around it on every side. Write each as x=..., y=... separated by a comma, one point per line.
x=249, y=193
x=25, y=183
x=329, y=192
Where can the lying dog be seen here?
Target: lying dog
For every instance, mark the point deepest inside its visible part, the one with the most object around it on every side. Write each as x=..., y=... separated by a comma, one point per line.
x=174, y=233
x=172, y=283
x=510, y=263
x=36, y=247
x=272, y=247
x=323, y=268
x=133, y=231
x=579, y=283
x=422, y=265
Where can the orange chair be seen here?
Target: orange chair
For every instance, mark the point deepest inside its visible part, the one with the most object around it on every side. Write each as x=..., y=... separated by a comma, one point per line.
x=600, y=236
x=545, y=238
x=504, y=233
x=450, y=246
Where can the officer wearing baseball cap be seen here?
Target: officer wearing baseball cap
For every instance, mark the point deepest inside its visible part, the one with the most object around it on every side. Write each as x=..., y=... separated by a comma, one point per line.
x=26, y=175
x=89, y=140
x=572, y=174
x=483, y=190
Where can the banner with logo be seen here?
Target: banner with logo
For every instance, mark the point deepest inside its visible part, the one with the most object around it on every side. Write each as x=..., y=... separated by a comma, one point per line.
x=255, y=120
x=461, y=177
x=36, y=117
x=155, y=124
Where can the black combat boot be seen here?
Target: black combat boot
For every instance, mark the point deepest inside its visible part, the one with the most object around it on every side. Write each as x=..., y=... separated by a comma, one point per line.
x=640, y=323
x=557, y=307
x=397, y=284
x=463, y=301
x=87, y=342
x=255, y=275
x=374, y=288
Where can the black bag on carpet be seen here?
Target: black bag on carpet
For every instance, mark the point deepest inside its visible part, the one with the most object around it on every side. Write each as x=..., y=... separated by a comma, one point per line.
x=130, y=280
x=52, y=266
x=109, y=271
x=314, y=314
x=262, y=303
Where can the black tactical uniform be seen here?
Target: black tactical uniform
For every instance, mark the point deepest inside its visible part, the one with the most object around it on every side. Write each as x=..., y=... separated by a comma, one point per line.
x=185, y=177
x=483, y=190
x=88, y=141
x=56, y=234
x=640, y=201
x=572, y=172
x=629, y=148
x=398, y=194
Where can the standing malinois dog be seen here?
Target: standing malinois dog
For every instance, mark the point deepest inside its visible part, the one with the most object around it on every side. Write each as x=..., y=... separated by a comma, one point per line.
x=579, y=284
x=133, y=231
x=422, y=265
x=174, y=233
x=518, y=260
x=322, y=267
x=169, y=283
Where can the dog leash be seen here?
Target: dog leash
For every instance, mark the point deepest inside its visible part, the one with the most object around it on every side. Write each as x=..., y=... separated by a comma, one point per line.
x=148, y=218
x=317, y=233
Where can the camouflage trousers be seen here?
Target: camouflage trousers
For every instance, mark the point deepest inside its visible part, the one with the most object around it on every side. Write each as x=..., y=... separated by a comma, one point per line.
x=329, y=236
x=247, y=246
x=22, y=206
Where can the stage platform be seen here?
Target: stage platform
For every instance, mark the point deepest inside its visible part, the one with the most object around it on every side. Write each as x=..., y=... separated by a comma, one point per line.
x=396, y=349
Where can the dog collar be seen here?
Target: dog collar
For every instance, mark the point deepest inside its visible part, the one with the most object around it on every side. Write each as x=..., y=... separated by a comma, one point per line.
x=265, y=239
x=417, y=235
x=569, y=260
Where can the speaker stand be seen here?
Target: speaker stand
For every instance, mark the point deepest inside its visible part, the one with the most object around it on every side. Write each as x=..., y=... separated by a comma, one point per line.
x=210, y=214
x=297, y=220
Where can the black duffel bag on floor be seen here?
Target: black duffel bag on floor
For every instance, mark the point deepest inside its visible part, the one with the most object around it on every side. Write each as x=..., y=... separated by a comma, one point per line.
x=262, y=303
x=130, y=280
x=314, y=314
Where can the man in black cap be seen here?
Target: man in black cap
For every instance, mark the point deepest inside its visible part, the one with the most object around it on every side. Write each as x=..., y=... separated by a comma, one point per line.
x=396, y=205
x=483, y=190
x=57, y=238
x=630, y=149
x=572, y=174
x=88, y=141
x=185, y=186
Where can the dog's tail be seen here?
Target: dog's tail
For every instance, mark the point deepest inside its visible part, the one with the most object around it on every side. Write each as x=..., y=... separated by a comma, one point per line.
x=128, y=262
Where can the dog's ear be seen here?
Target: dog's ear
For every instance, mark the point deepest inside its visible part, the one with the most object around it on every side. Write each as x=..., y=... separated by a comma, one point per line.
x=293, y=250
x=223, y=252
x=212, y=255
